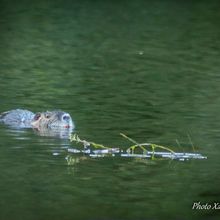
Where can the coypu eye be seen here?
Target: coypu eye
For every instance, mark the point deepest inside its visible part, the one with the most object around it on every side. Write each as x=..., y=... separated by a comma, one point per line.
x=47, y=116
x=37, y=116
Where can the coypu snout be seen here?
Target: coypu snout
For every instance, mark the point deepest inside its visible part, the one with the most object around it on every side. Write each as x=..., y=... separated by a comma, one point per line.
x=53, y=120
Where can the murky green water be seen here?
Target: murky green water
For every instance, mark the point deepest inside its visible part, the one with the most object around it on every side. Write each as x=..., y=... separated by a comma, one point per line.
x=149, y=69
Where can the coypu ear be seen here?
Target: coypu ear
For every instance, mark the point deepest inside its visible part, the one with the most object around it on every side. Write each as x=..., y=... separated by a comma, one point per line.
x=37, y=116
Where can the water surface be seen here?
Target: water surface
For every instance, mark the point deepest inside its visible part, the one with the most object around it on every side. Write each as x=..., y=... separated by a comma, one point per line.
x=149, y=69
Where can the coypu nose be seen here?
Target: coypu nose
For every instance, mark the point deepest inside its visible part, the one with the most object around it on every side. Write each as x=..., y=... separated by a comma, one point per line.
x=66, y=117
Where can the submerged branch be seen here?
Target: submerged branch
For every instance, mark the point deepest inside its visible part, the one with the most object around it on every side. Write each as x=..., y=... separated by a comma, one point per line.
x=130, y=149
x=101, y=150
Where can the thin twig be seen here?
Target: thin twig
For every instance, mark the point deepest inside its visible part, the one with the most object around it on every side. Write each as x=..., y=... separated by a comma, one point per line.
x=190, y=141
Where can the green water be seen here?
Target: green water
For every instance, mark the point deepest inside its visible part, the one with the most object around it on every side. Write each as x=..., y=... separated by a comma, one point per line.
x=149, y=69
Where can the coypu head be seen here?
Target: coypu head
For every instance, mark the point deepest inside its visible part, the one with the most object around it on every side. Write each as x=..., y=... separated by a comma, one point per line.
x=52, y=120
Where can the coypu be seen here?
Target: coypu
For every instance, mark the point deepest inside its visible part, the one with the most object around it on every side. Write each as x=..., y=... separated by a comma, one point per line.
x=20, y=118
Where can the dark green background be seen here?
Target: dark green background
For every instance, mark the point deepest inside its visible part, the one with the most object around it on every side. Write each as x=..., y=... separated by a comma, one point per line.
x=150, y=69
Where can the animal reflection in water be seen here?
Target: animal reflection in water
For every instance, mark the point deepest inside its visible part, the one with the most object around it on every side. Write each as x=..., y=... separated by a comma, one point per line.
x=50, y=123
x=63, y=133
